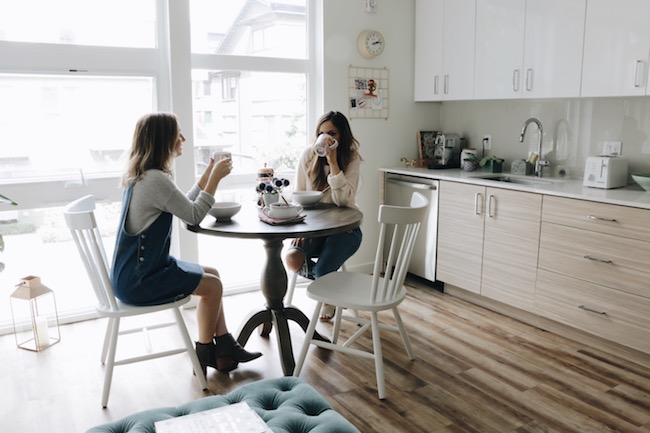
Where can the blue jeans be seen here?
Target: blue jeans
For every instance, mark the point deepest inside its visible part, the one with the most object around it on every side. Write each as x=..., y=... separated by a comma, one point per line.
x=331, y=252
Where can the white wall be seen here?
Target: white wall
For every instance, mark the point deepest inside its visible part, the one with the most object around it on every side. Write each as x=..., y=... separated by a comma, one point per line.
x=573, y=128
x=383, y=142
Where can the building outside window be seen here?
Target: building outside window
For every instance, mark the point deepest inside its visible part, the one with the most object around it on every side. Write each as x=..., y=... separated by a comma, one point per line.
x=72, y=88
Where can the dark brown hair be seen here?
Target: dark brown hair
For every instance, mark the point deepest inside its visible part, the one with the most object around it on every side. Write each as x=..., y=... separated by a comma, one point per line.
x=346, y=152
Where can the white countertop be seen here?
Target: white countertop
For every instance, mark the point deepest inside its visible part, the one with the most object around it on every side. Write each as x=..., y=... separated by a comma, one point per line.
x=631, y=195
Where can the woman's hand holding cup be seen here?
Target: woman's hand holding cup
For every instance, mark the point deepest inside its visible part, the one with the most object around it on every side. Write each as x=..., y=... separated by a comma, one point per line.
x=324, y=143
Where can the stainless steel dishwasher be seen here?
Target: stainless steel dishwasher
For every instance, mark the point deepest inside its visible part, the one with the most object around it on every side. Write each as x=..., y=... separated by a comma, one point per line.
x=399, y=189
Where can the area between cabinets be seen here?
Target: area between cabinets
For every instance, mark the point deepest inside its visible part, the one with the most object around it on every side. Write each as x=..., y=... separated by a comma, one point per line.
x=511, y=49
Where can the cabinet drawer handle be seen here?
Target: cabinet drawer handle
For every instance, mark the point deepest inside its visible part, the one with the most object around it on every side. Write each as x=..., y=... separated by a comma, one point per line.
x=588, y=257
x=638, y=74
x=529, y=79
x=584, y=307
x=597, y=218
x=490, y=210
x=477, y=208
x=435, y=85
x=515, y=80
x=446, y=83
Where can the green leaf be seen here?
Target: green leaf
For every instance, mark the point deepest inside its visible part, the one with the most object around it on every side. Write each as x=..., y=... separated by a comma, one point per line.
x=7, y=200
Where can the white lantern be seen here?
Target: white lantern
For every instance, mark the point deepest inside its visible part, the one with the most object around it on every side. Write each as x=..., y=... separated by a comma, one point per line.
x=34, y=315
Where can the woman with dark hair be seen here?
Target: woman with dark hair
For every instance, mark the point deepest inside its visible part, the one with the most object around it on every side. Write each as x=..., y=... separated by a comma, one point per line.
x=143, y=272
x=337, y=174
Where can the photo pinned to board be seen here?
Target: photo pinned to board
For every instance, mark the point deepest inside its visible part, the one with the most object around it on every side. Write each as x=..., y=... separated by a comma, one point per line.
x=368, y=93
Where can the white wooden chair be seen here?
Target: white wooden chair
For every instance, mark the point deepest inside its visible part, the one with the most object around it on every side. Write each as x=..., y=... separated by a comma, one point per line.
x=291, y=285
x=383, y=290
x=80, y=218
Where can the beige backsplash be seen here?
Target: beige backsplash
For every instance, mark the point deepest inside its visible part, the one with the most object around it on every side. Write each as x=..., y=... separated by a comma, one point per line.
x=573, y=129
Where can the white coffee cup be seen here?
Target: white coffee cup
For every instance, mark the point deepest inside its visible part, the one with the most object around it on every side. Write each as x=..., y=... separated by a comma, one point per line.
x=323, y=143
x=221, y=155
x=282, y=210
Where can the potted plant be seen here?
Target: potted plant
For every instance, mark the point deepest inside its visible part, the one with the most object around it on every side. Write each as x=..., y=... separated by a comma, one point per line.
x=5, y=200
x=491, y=164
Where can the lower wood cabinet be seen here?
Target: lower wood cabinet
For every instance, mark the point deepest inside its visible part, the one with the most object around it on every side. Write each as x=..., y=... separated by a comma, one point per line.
x=593, y=269
x=460, y=235
x=580, y=263
x=488, y=241
x=608, y=313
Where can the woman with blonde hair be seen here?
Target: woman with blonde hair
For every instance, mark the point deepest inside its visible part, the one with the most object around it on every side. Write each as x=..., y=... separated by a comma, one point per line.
x=143, y=272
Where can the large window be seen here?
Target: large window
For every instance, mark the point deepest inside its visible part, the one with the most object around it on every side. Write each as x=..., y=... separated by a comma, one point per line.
x=255, y=108
x=75, y=76
x=115, y=23
x=55, y=126
x=250, y=28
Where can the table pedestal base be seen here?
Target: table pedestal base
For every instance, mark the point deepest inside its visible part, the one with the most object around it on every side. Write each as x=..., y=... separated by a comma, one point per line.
x=280, y=318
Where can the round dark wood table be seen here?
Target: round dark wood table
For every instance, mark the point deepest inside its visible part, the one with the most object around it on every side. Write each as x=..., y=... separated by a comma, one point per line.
x=321, y=220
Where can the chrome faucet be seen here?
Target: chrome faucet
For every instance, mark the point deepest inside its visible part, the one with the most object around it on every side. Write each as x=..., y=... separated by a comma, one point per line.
x=539, y=163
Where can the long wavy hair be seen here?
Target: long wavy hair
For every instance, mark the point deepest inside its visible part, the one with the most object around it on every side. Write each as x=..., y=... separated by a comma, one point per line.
x=153, y=145
x=347, y=150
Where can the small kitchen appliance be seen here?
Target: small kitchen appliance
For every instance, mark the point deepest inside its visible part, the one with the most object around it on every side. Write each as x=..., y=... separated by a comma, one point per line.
x=447, y=151
x=605, y=172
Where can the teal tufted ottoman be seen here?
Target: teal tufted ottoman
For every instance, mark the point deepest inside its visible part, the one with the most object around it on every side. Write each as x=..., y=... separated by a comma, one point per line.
x=286, y=404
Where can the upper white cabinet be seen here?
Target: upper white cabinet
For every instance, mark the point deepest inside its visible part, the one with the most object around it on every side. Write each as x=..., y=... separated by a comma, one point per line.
x=529, y=48
x=444, y=50
x=617, y=43
x=499, y=48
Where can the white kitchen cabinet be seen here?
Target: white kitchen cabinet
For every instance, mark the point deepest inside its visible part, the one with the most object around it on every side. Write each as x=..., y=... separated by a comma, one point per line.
x=529, y=48
x=617, y=45
x=444, y=50
x=488, y=241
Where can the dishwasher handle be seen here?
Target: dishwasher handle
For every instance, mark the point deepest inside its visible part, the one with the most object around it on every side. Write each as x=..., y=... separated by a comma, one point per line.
x=413, y=185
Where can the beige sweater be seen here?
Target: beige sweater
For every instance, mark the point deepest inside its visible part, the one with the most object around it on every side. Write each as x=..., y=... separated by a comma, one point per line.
x=343, y=186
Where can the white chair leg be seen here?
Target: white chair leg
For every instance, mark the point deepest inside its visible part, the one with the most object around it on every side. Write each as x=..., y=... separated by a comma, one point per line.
x=402, y=331
x=291, y=287
x=107, y=339
x=309, y=335
x=338, y=314
x=379, y=359
x=185, y=336
x=110, y=361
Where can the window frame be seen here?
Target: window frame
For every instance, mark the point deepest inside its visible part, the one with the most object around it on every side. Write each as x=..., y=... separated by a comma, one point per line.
x=169, y=64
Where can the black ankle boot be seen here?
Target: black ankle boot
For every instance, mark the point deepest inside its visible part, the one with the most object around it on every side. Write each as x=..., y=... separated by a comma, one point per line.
x=207, y=355
x=229, y=353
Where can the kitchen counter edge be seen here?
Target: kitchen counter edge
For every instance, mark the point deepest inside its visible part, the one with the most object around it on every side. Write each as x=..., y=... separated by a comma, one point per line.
x=631, y=195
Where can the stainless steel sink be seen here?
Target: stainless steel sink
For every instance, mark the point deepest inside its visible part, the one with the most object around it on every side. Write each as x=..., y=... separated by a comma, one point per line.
x=522, y=180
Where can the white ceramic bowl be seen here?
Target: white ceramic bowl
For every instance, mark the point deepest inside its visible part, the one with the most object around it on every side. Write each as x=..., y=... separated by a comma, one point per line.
x=224, y=210
x=643, y=179
x=306, y=198
x=282, y=210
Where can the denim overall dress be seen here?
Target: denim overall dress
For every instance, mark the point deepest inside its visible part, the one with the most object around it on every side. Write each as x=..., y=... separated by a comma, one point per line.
x=143, y=272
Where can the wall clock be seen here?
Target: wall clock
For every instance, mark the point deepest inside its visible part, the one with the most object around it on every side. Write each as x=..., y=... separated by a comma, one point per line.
x=370, y=43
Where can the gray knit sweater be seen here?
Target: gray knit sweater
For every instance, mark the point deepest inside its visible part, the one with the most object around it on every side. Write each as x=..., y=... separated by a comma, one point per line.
x=157, y=192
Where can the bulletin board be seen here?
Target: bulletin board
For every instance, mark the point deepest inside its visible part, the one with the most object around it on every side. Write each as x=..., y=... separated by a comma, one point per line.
x=368, y=93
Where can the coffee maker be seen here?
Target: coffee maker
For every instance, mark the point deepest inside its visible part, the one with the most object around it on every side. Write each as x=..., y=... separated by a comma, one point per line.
x=447, y=150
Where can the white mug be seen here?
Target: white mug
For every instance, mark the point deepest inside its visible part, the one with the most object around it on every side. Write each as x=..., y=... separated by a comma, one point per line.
x=323, y=143
x=282, y=210
x=221, y=155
